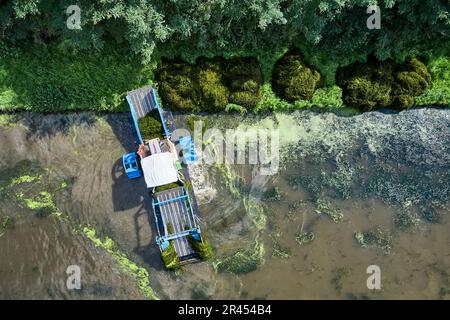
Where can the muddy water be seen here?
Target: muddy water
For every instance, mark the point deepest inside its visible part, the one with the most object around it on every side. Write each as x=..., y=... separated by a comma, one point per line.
x=339, y=155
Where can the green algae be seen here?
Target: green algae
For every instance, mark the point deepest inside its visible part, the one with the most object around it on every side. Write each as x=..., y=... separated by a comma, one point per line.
x=231, y=179
x=32, y=187
x=279, y=250
x=248, y=257
x=24, y=179
x=139, y=273
x=8, y=120
x=375, y=238
x=334, y=157
x=22, y=173
x=255, y=211
x=243, y=260
x=25, y=185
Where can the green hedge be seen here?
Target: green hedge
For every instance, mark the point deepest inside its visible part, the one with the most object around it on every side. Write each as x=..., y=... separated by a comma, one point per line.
x=49, y=78
x=210, y=84
x=375, y=84
x=439, y=92
x=57, y=78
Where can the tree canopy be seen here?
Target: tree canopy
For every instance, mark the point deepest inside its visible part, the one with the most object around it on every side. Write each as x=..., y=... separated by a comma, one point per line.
x=334, y=29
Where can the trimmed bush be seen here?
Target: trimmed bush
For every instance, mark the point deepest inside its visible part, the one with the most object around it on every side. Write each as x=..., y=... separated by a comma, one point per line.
x=293, y=80
x=377, y=84
x=150, y=126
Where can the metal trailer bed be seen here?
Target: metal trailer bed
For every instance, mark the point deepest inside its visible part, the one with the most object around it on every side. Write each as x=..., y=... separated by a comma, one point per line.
x=175, y=210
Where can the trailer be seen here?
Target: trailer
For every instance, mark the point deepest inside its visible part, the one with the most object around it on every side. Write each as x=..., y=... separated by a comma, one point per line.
x=175, y=209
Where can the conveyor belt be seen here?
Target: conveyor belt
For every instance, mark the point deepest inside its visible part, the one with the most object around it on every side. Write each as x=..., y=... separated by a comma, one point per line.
x=142, y=101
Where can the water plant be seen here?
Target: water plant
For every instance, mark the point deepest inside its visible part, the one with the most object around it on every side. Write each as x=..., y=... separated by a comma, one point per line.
x=405, y=219
x=273, y=194
x=167, y=186
x=430, y=214
x=243, y=260
x=444, y=292
x=339, y=277
x=324, y=206
x=304, y=237
x=278, y=249
x=294, y=208
x=43, y=203
x=200, y=291
x=244, y=80
x=375, y=238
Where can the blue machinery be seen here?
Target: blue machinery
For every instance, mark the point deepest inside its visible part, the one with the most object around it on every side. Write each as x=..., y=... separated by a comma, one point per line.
x=175, y=215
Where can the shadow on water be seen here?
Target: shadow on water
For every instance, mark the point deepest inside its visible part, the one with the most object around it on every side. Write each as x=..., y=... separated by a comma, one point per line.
x=132, y=194
x=126, y=195
x=52, y=124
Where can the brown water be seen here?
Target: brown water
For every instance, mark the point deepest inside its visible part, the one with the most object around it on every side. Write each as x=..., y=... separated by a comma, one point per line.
x=86, y=150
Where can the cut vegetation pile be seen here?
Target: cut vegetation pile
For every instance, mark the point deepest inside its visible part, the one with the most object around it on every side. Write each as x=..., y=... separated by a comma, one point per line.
x=294, y=80
x=210, y=84
x=203, y=249
x=150, y=126
x=375, y=84
x=170, y=258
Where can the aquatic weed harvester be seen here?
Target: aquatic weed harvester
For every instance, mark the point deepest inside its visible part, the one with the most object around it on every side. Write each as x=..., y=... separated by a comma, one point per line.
x=173, y=201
